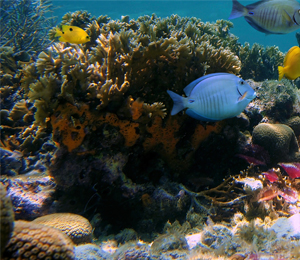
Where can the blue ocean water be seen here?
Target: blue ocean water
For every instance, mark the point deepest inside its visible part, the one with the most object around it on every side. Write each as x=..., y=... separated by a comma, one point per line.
x=205, y=10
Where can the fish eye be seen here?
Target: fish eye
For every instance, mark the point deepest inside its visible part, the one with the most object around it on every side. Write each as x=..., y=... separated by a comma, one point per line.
x=242, y=82
x=63, y=32
x=298, y=11
x=71, y=29
x=87, y=37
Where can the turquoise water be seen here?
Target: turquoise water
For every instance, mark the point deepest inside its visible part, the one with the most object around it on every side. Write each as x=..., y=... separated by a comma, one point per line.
x=205, y=10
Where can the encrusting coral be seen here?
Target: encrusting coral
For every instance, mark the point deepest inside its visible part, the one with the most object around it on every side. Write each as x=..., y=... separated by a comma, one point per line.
x=39, y=189
x=36, y=241
x=74, y=226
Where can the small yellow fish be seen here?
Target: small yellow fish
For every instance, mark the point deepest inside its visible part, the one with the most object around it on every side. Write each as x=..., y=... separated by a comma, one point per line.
x=72, y=34
x=291, y=64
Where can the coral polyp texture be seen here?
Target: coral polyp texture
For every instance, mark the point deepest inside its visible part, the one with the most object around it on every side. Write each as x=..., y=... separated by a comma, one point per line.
x=36, y=241
x=74, y=226
x=6, y=218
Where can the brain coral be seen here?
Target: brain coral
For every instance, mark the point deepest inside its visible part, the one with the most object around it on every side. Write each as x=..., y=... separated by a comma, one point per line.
x=75, y=226
x=278, y=139
x=36, y=241
x=6, y=217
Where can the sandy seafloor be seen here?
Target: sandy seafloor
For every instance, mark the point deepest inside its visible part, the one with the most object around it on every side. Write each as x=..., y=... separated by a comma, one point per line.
x=205, y=10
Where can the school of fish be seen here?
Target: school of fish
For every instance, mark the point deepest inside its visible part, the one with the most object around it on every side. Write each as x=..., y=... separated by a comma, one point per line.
x=219, y=96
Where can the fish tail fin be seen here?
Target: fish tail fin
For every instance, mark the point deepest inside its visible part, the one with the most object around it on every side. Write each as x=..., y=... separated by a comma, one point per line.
x=58, y=32
x=280, y=72
x=238, y=10
x=178, y=102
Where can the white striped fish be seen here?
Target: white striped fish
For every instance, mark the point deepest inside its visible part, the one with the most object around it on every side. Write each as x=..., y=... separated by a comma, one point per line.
x=269, y=16
x=214, y=97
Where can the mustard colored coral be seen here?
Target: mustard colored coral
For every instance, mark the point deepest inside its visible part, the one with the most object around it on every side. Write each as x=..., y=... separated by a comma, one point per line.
x=74, y=226
x=36, y=241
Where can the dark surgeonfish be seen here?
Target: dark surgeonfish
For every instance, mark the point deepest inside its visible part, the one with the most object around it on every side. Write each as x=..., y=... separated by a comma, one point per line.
x=269, y=16
x=214, y=97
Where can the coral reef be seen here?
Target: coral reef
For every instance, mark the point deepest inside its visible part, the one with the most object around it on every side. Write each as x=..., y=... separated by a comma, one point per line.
x=259, y=62
x=6, y=218
x=27, y=24
x=31, y=195
x=95, y=118
x=253, y=239
x=35, y=241
x=74, y=226
x=278, y=139
x=119, y=64
x=294, y=123
x=277, y=101
x=91, y=252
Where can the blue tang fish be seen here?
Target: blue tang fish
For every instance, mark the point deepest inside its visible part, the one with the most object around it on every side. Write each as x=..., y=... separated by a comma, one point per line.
x=269, y=16
x=214, y=97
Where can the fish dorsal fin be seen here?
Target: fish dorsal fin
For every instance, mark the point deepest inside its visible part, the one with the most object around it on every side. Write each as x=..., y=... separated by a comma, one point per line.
x=254, y=5
x=188, y=89
x=288, y=54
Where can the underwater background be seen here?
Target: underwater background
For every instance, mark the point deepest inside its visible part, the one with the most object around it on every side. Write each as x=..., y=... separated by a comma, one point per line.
x=95, y=166
x=207, y=11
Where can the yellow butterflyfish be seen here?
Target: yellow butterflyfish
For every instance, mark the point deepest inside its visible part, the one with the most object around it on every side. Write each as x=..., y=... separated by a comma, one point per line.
x=72, y=34
x=291, y=64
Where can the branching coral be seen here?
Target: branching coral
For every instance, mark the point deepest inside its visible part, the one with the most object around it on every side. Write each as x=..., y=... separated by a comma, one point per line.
x=224, y=197
x=140, y=58
x=260, y=63
x=26, y=25
x=277, y=101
